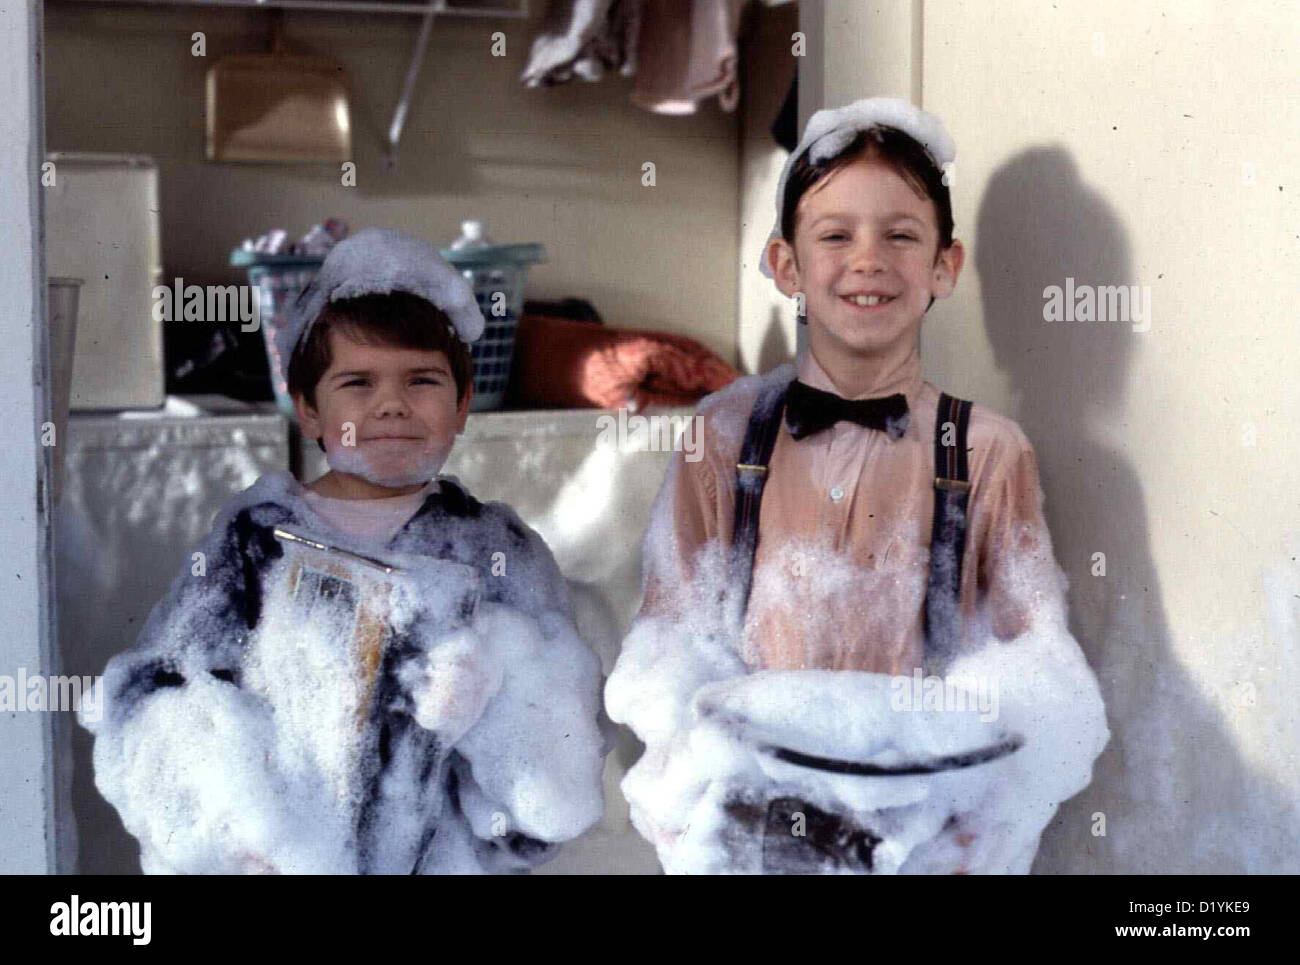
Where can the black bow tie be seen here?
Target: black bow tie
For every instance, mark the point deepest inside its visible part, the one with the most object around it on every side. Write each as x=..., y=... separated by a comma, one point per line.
x=809, y=410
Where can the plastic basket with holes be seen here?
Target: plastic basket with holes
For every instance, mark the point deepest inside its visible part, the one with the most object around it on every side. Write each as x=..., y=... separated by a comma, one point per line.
x=497, y=273
x=279, y=280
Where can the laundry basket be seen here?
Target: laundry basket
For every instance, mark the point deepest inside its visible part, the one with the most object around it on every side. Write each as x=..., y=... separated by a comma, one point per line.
x=279, y=279
x=497, y=273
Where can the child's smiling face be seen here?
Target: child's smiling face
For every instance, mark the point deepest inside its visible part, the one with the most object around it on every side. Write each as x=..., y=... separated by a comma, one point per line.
x=401, y=404
x=863, y=234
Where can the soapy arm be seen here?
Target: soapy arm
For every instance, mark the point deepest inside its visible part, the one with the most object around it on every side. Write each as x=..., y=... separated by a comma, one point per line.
x=202, y=623
x=516, y=694
x=1046, y=688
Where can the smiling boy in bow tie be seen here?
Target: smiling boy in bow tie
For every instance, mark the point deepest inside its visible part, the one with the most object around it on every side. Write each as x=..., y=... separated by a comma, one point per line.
x=847, y=515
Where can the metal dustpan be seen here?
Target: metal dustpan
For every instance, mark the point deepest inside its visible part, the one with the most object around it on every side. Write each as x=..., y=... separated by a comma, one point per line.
x=277, y=106
x=359, y=587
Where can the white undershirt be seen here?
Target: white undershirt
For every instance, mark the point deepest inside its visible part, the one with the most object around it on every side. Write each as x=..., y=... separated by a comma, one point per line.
x=373, y=520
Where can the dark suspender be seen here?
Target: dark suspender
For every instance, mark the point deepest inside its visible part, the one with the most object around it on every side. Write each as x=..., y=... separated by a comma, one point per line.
x=751, y=477
x=948, y=535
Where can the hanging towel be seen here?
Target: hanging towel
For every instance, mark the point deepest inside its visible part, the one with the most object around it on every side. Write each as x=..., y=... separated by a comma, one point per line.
x=686, y=52
x=584, y=38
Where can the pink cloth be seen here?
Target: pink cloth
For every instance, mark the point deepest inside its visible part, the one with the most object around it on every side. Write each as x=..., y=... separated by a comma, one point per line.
x=686, y=52
x=561, y=364
x=374, y=520
x=680, y=51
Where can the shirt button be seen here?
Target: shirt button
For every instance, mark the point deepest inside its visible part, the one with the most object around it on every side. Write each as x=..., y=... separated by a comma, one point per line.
x=837, y=493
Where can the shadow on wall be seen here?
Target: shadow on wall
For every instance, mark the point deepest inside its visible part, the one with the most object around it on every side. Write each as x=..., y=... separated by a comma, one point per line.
x=775, y=350
x=1176, y=793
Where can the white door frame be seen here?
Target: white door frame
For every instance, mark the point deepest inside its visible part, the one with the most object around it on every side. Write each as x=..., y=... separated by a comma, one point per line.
x=28, y=843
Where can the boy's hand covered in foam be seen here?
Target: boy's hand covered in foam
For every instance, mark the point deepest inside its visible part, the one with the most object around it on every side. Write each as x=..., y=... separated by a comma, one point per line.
x=452, y=687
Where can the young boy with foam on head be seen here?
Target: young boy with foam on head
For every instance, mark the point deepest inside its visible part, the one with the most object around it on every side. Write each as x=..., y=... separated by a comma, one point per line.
x=376, y=672
x=849, y=518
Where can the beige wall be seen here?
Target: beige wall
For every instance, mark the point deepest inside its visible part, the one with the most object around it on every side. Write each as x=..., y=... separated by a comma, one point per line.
x=1116, y=143
x=559, y=166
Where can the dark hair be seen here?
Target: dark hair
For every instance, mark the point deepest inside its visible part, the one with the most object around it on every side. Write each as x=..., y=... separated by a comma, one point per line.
x=397, y=319
x=899, y=150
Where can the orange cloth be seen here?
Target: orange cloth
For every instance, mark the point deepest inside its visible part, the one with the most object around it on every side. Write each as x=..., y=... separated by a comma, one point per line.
x=839, y=583
x=565, y=364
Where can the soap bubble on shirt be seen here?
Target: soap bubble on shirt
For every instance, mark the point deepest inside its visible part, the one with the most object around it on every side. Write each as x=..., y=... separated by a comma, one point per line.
x=699, y=770
x=269, y=775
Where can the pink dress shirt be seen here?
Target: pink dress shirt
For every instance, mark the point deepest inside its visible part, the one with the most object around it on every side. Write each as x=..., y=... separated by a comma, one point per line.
x=842, y=563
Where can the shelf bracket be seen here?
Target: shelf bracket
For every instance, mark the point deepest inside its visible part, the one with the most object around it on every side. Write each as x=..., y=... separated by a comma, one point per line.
x=408, y=86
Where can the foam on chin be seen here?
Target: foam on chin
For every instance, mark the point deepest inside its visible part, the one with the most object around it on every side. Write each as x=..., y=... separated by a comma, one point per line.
x=415, y=470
